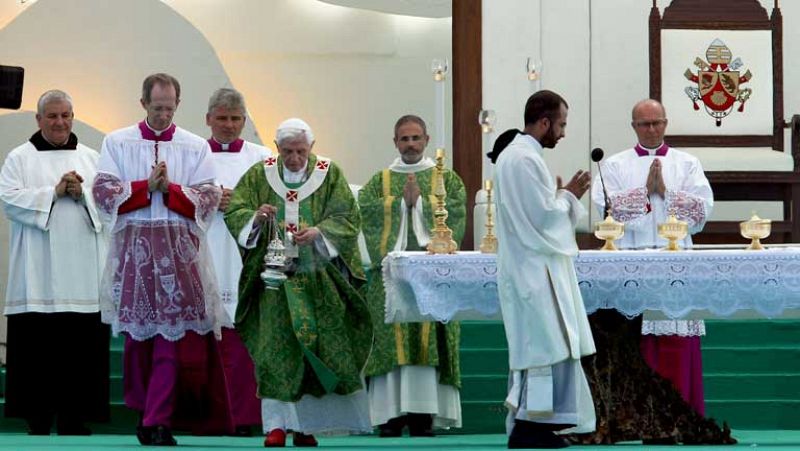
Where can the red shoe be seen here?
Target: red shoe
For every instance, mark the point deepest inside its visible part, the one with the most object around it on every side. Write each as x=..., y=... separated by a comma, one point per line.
x=304, y=440
x=275, y=439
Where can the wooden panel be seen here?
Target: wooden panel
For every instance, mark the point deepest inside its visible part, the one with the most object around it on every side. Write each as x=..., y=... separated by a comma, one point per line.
x=752, y=177
x=780, y=186
x=777, y=78
x=721, y=15
x=655, y=52
x=707, y=14
x=467, y=90
x=721, y=141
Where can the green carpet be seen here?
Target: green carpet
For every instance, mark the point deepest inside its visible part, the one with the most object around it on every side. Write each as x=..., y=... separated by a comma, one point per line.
x=762, y=440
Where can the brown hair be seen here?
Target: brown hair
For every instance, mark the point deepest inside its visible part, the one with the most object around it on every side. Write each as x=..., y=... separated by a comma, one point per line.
x=543, y=104
x=410, y=118
x=163, y=80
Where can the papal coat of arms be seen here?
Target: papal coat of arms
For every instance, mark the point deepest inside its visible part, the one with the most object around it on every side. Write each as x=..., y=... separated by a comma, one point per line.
x=718, y=83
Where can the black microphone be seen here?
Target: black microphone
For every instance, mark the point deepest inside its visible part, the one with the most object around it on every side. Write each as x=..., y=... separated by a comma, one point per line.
x=597, y=155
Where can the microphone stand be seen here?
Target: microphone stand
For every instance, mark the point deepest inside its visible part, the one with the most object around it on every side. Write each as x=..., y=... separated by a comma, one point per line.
x=605, y=192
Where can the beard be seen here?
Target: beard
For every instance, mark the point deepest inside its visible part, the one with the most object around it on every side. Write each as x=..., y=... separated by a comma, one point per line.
x=411, y=156
x=549, y=140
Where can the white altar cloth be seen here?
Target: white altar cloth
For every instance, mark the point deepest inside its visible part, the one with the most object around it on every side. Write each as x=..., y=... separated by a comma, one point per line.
x=707, y=283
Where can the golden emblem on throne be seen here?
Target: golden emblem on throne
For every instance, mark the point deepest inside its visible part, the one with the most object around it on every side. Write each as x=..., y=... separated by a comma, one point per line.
x=718, y=82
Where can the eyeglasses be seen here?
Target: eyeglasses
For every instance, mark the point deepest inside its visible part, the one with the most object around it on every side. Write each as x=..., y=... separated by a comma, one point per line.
x=647, y=124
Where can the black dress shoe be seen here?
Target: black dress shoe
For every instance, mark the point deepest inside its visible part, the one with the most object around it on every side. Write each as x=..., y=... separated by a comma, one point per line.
x=143, y=432
x=529, y=435
x=420, y=425
x=660, y=441
x=162, y=436
x=71, y=428
x=39, y=425
x=243, y=431
x=393, y=427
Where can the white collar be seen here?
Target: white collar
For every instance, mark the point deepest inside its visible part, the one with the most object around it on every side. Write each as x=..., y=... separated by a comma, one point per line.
x=156, y=132
x=294, y=177
x=398, y=165
x=531, y=141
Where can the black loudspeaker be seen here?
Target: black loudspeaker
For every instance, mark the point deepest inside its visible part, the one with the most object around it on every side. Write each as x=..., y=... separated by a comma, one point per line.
x=11, y=87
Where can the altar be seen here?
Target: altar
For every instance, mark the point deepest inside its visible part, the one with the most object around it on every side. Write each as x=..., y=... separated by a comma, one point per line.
x=728, y=283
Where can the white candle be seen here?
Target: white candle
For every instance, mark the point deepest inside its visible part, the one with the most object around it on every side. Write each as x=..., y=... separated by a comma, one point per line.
x=488, y=167
x=439, y=68
x=439, y=113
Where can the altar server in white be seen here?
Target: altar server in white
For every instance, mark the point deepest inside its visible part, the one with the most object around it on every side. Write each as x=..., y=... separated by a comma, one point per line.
x=232, y=157
x=57, y=345
x=155, y=188
x=543, y=312
x=652, y=180
x=645, y=185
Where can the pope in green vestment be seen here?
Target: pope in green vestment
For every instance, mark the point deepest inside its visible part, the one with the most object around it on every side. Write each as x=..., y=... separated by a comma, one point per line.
x=309, y=338
x=414, y=368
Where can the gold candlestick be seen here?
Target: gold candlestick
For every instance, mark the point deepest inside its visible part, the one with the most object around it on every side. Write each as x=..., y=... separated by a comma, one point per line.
x=489, y=241
x=441, y=235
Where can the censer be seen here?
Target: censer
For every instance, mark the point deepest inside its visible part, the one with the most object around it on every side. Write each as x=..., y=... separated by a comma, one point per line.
x=275, y=261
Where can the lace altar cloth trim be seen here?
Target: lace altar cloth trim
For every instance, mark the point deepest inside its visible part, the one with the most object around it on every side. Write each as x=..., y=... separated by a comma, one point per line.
x=421, y=287
x=679, y=327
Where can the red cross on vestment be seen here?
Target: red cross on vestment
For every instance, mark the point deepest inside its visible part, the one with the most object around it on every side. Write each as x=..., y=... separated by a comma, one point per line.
x=323, y=165
x=291, y=195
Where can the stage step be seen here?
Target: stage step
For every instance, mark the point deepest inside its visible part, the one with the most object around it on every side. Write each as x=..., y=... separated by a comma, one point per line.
x=751, y=375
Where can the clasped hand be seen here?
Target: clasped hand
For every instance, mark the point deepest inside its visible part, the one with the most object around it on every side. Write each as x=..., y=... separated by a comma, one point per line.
x=411, y=190
x=159, y=179
x=655, y=179
x=225, y=201
x=70, y=184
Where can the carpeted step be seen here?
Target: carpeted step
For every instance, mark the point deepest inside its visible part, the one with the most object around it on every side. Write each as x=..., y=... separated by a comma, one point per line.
x=746, y=333
x=483, y=334
x=762, y=414
x=752, y=386
x=484, y=361
x=483, y=417
x=754, y=359
x=479, y=387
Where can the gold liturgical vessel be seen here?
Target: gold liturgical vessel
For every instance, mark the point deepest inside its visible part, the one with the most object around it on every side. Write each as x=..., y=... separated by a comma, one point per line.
x=673, y=230
x=756, y=229
x=489, y=241
x=609, y=230
x=441, y=236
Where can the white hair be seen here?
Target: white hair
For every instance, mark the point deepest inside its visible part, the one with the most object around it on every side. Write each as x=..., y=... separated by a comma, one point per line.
x=54, y=95
x=292, y=130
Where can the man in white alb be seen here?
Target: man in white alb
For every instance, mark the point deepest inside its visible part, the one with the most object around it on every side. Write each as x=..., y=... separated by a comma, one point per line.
x=57, y=345
x=232, y=157
x=644, y=185
x=543, y=312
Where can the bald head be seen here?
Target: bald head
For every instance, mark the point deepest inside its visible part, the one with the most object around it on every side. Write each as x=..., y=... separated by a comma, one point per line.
x=649, y=121
x=648, y=105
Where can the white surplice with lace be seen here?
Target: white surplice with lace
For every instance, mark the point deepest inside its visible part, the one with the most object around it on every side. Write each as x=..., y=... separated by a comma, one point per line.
x=688, y=195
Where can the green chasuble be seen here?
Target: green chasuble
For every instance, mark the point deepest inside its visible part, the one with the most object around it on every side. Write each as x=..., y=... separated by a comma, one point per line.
x=313, y=334
x=425, y=344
